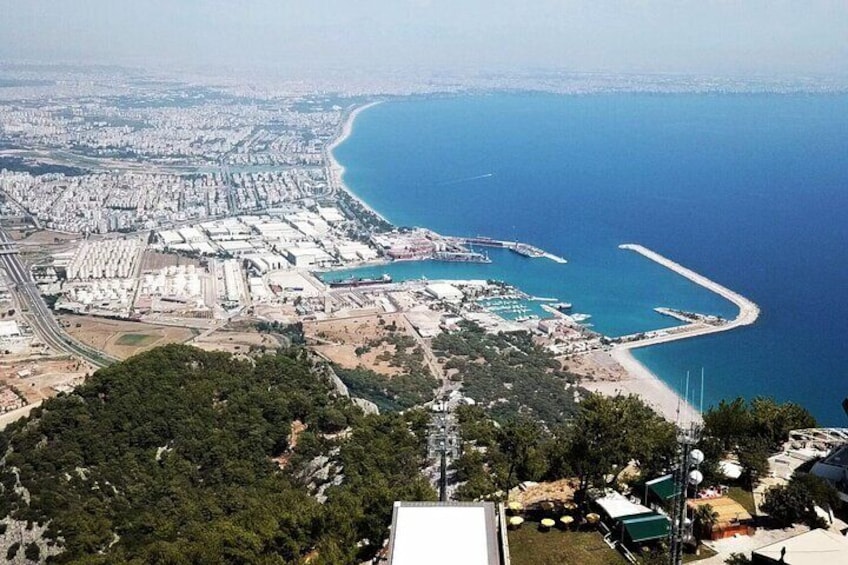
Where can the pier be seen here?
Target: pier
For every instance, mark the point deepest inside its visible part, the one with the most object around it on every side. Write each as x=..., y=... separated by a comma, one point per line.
x=748, y=310
x=524, y=249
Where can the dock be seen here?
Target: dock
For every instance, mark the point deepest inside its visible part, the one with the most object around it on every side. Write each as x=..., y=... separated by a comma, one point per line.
x=524, y=249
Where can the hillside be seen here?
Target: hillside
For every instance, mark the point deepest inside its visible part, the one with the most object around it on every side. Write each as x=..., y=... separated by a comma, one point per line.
x=182, y=456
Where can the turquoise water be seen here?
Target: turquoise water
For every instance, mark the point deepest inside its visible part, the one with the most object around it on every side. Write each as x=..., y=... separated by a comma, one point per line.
x=748, y=190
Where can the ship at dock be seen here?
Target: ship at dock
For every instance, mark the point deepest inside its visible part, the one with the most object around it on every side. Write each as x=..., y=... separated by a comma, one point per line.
x=353, y=282
x=461, y=257
x=527, y=250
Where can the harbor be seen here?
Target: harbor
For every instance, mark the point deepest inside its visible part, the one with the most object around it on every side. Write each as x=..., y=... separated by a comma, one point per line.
x=748, y=310
x=524, y=249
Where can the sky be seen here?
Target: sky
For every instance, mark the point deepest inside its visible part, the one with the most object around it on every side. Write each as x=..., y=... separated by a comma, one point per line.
x=680, y=36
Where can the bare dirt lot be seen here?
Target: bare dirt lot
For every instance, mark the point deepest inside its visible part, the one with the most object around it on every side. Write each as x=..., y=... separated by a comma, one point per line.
x=154, y=260
x=121, y=338
x=234, y=341
x=598, y=366
x=40, y=379
x=44, y=237
x=339, y=339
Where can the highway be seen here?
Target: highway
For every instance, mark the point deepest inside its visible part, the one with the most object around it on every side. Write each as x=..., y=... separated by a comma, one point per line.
x=37, y=312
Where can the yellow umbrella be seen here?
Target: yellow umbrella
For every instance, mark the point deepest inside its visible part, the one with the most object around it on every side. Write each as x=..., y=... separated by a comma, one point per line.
x=593, y=518
x=516, y=521
x=547, y=523
x=570, y=506
x=515, y=506
x=566, y=520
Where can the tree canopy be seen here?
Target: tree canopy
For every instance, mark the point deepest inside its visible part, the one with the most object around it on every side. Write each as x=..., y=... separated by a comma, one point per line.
x=508, y=374
x=183, y=456
x=605, y=435
x=751, y=431
x=795, y=502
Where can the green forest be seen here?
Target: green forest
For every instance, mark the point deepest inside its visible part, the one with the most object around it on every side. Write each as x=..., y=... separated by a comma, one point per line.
x=182, y=456
x=508, y=374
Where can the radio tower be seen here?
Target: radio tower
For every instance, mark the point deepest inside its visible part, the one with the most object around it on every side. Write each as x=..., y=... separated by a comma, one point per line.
x=686, y=473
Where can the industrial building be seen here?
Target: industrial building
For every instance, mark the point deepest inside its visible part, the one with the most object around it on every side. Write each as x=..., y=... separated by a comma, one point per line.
x=444, y=291
x=9, y=329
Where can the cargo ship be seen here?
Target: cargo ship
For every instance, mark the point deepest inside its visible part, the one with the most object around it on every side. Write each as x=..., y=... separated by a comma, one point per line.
x=359, y=281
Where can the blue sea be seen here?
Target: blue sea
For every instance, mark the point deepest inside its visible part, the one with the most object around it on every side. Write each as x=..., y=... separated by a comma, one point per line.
x=749, y=190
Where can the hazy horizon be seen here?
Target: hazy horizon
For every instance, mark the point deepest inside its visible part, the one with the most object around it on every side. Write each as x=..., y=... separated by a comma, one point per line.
x=660, y=36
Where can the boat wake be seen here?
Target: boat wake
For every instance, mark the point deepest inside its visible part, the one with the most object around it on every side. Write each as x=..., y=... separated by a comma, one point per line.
x=465, y=179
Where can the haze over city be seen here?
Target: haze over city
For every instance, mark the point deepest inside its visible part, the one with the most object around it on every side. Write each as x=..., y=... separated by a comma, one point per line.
x=405, y=282
x=692, y=36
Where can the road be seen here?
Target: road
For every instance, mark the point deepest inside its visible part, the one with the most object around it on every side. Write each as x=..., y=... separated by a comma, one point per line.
x=38, y=314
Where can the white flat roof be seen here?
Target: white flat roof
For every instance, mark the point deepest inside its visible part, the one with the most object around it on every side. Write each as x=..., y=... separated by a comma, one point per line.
x=815, y=547
x=444, y=290
x=617, y=506
x=432, y=533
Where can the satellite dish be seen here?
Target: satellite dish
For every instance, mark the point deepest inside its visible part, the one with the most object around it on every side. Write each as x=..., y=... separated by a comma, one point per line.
x=696, y=457
x=696, y=477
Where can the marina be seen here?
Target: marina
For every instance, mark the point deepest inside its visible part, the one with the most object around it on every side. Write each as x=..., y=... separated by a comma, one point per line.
x=517, y=309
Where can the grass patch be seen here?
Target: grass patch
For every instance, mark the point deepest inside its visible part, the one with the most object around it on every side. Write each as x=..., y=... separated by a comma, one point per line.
x=743, y=497
x=136, y=340
x=529, y=546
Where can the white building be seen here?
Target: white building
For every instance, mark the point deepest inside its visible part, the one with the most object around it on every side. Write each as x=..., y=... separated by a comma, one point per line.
x=9, y=329
x=331, y=215
x=444, y=533
x=191, y=235
x=301, y=256
x=444, y=291
x=816, y=547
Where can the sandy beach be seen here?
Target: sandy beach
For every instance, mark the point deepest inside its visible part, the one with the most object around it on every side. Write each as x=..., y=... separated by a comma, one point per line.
x=618, y=372
x=336, y=170
x=638, y=379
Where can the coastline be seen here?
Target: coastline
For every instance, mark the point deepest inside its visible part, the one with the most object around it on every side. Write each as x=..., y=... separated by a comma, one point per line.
x=637, y=379
x=641, y=382
x=336, y=169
